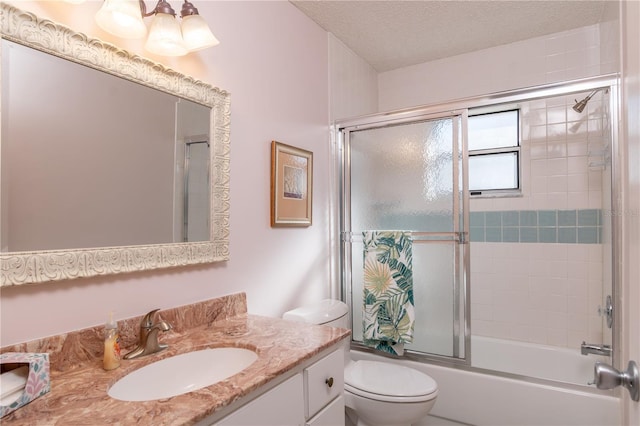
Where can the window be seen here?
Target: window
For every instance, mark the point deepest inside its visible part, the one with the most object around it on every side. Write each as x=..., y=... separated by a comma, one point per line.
x=494, y=153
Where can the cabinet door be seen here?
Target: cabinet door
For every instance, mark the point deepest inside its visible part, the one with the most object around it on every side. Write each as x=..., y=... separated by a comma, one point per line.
x=324, y=381
x=281, y=406
x=331, y=415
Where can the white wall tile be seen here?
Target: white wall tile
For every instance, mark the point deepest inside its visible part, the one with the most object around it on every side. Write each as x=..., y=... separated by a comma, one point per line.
x=576, y=148
x=556, y=148
x=557, y=200
x=577, y=270
x=577, y=165
x=555, y=44
x=577, y=305
x=556, y=117
x=543, y=293
x=559, y=286
x=557, y=336
x=482, y=297
x=578, y=322
x=559, y=183
x=557, y=166
x=538, y=302
x=539, y=168
x=538, y=150
x=595, y=199
x=578, y=200
x=537, y=335
x=557, y=303
x=579, y=58
x=482, y=312
x=577, y=287
x=575, y=338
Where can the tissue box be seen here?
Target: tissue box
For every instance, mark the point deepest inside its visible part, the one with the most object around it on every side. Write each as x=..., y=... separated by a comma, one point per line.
x=37, y=382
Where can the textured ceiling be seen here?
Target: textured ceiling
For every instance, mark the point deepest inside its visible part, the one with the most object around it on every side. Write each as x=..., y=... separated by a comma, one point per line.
x=393, y=34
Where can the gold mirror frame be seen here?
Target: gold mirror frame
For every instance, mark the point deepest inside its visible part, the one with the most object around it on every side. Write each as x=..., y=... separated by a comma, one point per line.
x=18, y=268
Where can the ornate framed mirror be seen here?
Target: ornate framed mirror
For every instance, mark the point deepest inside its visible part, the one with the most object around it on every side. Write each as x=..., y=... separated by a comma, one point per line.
x=80, y=193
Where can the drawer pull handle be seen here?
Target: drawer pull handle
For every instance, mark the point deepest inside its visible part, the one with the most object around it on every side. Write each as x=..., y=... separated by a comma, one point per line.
x=329, y=381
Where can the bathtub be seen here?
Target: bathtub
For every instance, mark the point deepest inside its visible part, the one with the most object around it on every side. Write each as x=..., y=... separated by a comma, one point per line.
x=472, y=397
x=528, y=359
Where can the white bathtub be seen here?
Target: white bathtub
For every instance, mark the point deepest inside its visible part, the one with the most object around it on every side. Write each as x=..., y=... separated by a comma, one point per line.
x=475, y=398
x=528, y=359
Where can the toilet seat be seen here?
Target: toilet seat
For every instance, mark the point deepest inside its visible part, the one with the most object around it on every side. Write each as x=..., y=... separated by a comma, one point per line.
x=388, y=382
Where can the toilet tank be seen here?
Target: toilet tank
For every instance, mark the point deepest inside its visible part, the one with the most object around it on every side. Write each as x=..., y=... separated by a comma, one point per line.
x=325, y=312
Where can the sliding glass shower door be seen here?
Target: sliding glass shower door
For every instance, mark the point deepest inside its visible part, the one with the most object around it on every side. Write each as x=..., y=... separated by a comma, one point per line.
x=408, y=176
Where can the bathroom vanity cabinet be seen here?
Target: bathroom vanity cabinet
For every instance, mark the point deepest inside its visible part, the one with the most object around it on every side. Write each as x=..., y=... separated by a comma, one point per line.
x=288, y=383
x=313, y=396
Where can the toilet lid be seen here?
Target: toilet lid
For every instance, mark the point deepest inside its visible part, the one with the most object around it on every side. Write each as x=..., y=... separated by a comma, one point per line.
x=386, y=379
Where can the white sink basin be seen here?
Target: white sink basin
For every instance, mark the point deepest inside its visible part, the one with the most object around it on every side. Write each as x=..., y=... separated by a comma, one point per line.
x=181, y=374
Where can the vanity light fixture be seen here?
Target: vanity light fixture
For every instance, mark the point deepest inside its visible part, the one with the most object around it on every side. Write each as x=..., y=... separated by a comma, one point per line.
x=166, y=37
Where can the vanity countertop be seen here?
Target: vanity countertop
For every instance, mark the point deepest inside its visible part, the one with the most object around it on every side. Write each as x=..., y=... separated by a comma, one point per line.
x=78, y=393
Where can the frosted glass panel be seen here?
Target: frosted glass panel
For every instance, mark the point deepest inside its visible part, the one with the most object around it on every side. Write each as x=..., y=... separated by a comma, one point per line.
x=433, y=292
x=401, y=177
x=357, y=289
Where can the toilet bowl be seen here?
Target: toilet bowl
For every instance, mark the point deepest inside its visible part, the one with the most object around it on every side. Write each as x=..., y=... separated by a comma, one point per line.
x=376, y=393
x=382, y=393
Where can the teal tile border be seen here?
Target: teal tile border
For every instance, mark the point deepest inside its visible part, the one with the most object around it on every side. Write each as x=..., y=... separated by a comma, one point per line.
x=547, y=217
x=580, y=226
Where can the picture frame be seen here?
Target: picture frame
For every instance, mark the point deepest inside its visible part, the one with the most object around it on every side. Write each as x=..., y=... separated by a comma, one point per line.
x=291, y=185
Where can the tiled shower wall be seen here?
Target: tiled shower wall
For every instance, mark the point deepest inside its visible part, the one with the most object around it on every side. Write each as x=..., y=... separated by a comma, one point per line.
x=556, y=178
x=537, y=259
x=539, y=293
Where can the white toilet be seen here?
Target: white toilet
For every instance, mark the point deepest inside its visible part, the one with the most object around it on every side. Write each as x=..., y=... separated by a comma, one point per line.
x=376, y=393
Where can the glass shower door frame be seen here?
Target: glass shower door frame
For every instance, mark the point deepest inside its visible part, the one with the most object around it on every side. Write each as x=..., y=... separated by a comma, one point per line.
x=510, y=97
x=461, y=344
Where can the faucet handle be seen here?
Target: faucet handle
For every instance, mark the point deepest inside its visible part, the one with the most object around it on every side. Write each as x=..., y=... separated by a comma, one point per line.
x=147, y=321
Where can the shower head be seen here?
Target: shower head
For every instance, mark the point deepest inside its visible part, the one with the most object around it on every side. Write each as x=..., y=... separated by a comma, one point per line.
x=579, y=106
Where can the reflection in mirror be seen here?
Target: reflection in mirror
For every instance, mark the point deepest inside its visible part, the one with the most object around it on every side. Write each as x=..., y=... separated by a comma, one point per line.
x=110, y=163
x=99, y=153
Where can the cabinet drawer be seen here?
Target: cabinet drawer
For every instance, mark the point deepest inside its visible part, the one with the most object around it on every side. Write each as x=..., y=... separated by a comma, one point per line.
x=331, y=415
x=324, y=381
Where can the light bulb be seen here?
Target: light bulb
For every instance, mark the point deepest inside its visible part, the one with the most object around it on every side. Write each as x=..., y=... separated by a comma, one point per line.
x=196, y=33
x=165, y=36
x=121, y=18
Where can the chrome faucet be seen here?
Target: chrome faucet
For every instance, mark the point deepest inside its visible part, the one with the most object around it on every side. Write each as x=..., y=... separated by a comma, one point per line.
x=148, y=343
x=590, y=348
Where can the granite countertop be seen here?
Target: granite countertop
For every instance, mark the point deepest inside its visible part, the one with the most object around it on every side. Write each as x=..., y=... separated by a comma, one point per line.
x=78, y=393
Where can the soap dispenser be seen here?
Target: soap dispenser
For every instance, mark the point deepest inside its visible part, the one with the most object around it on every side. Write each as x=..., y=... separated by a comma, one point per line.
x=111, y=358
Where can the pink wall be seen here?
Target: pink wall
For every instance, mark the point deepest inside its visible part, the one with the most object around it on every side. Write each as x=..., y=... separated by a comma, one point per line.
x=273, y=60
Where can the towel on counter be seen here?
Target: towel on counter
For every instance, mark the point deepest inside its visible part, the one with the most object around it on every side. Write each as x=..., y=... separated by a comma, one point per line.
x=388, y=290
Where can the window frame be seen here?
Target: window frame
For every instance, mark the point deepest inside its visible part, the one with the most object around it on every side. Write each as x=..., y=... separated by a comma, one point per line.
x=506, y=192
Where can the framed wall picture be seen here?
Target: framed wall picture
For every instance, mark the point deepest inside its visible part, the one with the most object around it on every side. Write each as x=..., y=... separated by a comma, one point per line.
x=291, y=185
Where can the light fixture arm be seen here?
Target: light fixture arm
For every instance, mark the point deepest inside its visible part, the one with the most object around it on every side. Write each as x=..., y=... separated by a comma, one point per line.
x=161, y=7
x=188, y=9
